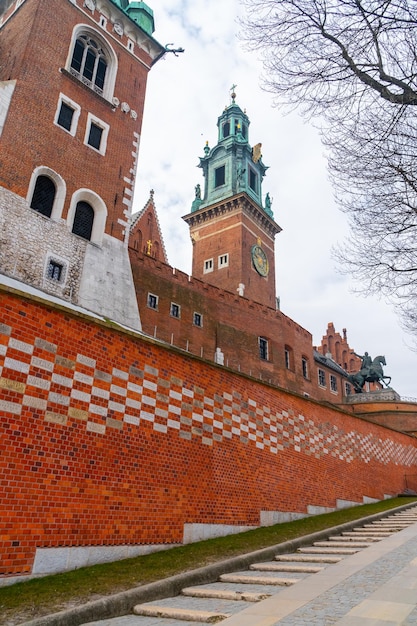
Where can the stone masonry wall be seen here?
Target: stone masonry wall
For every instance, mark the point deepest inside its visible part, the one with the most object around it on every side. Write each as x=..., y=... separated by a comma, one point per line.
x=109, y=438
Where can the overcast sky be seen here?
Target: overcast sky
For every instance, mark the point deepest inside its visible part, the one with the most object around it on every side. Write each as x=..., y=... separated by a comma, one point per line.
x=185, y=96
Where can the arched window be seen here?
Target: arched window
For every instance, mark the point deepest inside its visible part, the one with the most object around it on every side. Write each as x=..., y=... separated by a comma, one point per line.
x=89, y=63
x=43, y=196
x=83, y=220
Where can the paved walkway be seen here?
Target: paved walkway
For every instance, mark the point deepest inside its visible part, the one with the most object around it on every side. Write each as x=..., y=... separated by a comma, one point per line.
x=377, y=585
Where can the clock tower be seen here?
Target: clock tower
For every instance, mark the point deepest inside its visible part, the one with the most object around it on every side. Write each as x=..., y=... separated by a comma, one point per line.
x=231, y=225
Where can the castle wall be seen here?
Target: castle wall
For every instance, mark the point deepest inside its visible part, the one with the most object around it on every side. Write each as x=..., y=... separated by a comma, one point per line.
x=111, y=439
x=230, y=322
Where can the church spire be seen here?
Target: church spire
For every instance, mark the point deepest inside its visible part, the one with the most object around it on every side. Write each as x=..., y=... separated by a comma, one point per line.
x=232, y=166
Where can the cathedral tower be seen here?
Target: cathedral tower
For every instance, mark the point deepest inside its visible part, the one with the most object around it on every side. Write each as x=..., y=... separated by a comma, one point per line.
x=72, y=87
x=232, y=229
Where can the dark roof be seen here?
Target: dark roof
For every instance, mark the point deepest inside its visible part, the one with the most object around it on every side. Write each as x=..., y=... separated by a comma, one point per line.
x=327, y=361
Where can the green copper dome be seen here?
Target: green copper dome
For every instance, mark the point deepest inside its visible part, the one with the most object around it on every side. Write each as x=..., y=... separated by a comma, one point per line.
x=232, y=166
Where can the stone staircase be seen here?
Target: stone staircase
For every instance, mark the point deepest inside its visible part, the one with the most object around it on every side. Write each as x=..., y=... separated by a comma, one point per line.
x=211, y=603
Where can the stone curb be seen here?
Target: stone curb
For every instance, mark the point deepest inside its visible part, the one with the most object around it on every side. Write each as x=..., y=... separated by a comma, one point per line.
x=122, y=603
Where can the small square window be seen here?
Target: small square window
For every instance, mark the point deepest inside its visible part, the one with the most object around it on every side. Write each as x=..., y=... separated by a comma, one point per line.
x=198, y=319
x=333, y=383
x=208, y=266
x=152, y=301
x=220, y=176
x=322, y=378
x=94, y=136
x=175, y=310
x=65, y=116
x=263, y=348
x=55, y=271
x=223, y=260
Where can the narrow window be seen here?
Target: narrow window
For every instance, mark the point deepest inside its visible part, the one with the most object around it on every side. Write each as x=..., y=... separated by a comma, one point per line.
x=175, y=310
x=288, y=358
x=322, y=378
x=226, y=129
x=208, y=266
x=219, y=176
x=65, y=117
x=223, y=260
x=253, y=180
x=198, y=319
x=43, y=196
x=348, y=389
x=263, y=348
x=152, y=301
x=333, y=383
x=94, y=136
x=304, y=365
x=55, y=270
x=83, y=220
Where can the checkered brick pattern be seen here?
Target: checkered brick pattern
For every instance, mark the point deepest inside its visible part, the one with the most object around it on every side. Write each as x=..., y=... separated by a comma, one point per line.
x=63, y=388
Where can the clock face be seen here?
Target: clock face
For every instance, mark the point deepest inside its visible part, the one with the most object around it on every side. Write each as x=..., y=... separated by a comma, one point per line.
x=260, y=260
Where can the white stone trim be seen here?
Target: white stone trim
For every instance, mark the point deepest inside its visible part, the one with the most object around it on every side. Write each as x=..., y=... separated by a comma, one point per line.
x=61, y=189
x=100, y=213
x=92, y=119
x=112, y=66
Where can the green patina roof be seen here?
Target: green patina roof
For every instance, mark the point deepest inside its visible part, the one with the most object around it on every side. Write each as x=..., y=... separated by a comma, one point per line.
x=138, y=12
x=232, y=165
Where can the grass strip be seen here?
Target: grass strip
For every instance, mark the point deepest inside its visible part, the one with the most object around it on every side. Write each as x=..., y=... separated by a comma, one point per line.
x=49, y=594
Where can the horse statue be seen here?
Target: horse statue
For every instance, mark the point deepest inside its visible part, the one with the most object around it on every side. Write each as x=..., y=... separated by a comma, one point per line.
x=371, y=372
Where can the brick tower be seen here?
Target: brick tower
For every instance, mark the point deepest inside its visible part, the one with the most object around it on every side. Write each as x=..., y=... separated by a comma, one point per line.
x=232, y=231
x=72, y=87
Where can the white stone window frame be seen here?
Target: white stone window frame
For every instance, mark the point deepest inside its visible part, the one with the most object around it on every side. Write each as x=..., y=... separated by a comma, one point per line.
x=223, y=260
x=111, y=57
x=100, y=213
x=175, y=307
x=96, y=121
x=77, y=111
x=61, y=190
x=55, y=258
x=333, y=384
x=198, y=315
x=208, y=266
x=148, y=301
x=321, y=384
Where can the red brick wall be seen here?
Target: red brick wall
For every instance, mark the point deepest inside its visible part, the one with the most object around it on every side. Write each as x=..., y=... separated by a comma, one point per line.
x=108, y=438
x=37, y=32
x=230, y=322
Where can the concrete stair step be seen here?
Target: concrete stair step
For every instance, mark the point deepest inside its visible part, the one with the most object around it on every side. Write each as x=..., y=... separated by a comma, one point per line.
x=206, y=617
x=351, y=538
x=305, y=558
x=359, y=532
x=280, y=567
x=341, y=544
x=224, y=594
x=364, y=537
x=332, y=550
x=260, y=580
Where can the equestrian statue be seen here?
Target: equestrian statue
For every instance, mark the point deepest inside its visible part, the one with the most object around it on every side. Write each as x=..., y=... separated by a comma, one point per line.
x=371, y=372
